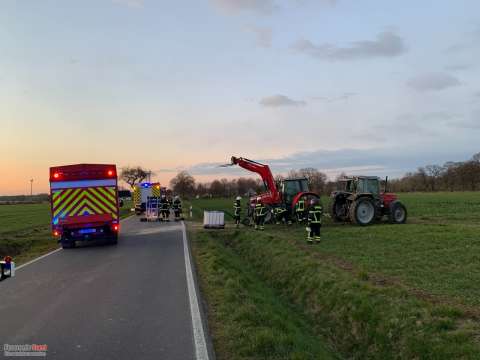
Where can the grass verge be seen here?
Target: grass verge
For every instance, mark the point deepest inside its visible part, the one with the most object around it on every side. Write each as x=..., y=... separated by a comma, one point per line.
x=247, y=318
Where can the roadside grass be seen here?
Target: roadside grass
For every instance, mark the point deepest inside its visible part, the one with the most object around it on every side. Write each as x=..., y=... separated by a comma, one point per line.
x=250, y=321
x=383, y=291
x=25, y=231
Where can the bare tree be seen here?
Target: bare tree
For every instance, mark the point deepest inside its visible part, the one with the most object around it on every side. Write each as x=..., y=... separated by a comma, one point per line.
x=433, y=172
x=183, y=184
x=134, y=175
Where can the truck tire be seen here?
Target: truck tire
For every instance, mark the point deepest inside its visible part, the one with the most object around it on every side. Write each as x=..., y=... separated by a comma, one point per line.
x=397, y=213
x=113, y=240
x=68, y=244
x=363, y=211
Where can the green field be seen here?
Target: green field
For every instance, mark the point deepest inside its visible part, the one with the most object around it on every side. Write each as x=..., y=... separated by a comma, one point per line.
x=25, y=230
x=383, y=291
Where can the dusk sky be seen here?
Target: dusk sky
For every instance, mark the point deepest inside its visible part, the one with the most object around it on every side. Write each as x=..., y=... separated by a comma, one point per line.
x=371, y=87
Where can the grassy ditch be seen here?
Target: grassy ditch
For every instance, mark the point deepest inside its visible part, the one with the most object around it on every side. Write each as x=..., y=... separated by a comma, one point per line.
x=247, y=318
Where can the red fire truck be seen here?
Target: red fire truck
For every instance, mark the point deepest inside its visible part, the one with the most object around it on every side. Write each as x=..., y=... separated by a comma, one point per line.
x=84, y=203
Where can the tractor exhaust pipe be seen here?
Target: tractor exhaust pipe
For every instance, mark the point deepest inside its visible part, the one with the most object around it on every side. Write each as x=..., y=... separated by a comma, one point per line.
x=386, y=183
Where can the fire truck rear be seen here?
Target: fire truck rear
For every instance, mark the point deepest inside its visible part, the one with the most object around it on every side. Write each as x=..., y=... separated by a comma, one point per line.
x=84, y=203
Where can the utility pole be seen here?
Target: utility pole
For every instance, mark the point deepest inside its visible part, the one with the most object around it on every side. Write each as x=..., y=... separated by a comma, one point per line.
x=31, y=187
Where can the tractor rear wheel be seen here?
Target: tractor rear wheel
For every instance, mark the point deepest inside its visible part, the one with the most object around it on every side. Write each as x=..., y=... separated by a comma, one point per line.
x=397, y=213
x=363, y=212
x=338, y=210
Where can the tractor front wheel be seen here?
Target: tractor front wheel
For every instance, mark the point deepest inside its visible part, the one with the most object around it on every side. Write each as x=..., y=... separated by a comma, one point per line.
x=362, y=212
x=397, y=213
x=338, y=209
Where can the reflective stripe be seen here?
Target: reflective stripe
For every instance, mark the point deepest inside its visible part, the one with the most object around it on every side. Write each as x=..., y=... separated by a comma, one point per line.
x=82, y=184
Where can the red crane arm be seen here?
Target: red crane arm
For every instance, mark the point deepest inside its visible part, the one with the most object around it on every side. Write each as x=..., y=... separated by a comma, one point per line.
x=261, y=169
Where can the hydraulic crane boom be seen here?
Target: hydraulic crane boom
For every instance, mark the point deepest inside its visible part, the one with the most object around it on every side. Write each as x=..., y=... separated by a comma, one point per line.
x=266, y=175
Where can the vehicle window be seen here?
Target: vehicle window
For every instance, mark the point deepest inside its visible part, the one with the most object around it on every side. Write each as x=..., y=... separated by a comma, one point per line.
x=372, y=186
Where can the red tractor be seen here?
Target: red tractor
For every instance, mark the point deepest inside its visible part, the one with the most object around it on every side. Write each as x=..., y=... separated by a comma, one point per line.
x=360, y=200
x=286, y=193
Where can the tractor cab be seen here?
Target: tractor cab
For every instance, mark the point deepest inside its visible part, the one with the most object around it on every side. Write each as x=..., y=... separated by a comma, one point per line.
x=289, y=188
x=360, y=184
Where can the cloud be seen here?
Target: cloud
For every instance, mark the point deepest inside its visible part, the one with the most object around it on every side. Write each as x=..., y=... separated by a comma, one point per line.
x=387, y=44
x=458, y=67
x=473, y=123
x=130, y=3
x=343, y=97
x=380, y=161
x=263, y=35
x=280, y=100
x=264, y=7
x=433, y=82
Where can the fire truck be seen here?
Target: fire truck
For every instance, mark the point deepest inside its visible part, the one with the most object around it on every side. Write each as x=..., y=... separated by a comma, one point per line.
x=142, y=191
x=84, y=203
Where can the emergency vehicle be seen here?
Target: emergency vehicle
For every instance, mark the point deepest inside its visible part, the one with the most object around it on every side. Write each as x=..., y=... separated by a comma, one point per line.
x=141, y=192
x=84, y=203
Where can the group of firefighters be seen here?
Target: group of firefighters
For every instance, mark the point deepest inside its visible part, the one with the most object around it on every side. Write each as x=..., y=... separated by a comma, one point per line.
x=308, y=214
x=164, y=206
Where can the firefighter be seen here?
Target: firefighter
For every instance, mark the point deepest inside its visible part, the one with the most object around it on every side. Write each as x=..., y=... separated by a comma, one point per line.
x=280, y=214
x=314, y=221
x=237, y=208
x=164, y=208
x=300, y=210
x=260, y=213
x=177, y=208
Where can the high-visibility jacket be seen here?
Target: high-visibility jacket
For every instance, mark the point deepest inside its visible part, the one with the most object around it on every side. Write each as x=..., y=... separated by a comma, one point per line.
x=280, y=210
x=315, y=215
x=260, y=210
x=177, y=205
x=300, y=206
x=237, y=206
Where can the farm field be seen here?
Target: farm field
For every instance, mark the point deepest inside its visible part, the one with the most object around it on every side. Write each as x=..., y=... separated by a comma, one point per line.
x=368, y=291
x=25, y=230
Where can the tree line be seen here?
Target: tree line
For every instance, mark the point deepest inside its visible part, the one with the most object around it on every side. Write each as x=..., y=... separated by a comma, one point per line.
x=451, y=176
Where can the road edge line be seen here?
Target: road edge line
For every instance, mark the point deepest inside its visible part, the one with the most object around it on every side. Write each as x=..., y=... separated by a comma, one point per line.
x=201, y=351
x=36, y=259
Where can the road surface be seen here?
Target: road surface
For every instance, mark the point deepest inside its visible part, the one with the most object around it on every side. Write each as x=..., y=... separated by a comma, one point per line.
x=130, y=301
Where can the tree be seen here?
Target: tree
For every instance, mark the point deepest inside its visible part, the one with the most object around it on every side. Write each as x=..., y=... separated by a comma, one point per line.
x=183, y=184
x=434, y=172
x=134, y=175
x=216, y=188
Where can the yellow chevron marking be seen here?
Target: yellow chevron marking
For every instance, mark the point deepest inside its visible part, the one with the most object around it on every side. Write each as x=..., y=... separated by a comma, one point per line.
x=59, y=199
x=106, y=194
x=64, y=202
x=111, y=207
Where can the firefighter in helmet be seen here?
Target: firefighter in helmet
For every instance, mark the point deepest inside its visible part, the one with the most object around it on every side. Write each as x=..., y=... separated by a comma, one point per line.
x=237, y=210
x=177, y=208
x=260, y=213
x=314, y=221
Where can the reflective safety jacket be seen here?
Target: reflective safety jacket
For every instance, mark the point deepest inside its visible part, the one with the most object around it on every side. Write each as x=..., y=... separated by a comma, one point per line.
x=177, y=204
x=280, y=210
x=300, y=206
x=237, y=207
x=315, y=215
x=260, y=210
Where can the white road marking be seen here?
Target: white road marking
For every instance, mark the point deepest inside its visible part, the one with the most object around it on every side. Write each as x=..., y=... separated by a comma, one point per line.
x=201, y=352
x=36, y=259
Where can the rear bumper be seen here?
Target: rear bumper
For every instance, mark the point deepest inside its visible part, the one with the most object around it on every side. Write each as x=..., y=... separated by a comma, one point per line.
x=89, y=233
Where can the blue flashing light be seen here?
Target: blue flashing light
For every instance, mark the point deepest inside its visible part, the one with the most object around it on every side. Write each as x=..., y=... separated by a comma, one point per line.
x=55, y=220
x=146, y=185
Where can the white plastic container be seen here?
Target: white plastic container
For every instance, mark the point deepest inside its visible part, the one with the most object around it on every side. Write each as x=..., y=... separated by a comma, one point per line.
x=213, y=220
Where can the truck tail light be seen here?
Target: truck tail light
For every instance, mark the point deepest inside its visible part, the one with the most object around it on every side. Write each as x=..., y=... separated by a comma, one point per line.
x=110, y=172
x=56, y=175
x=115, y=227
x=56, y=233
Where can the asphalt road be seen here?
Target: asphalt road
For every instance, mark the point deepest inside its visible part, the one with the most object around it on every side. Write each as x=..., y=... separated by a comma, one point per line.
x=128, y=301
